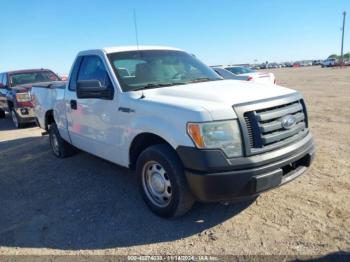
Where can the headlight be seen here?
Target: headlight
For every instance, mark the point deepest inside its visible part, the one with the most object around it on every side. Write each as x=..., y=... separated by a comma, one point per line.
x=23, y=97
x=224, y=135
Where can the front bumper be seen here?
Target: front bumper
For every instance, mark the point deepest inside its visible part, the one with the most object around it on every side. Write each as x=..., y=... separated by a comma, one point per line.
x=213, y=177
x=26, y=114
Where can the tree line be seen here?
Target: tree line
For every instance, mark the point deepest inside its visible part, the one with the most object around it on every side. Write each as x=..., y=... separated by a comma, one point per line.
x=335, y=56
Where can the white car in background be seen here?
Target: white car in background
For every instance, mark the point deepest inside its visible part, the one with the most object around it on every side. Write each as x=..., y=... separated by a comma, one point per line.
x=227, y=74
x=329, y=62
x=247, y=74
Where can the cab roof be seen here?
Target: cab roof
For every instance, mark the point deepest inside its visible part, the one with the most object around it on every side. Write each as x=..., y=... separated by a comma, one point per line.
x=116, y=49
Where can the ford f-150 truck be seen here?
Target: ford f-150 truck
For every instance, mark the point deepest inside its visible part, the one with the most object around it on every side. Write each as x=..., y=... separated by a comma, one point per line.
x=189, y=134
x=15, y=97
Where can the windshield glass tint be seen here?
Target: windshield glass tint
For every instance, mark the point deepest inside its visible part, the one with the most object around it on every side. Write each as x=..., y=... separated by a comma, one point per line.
x=32, y=77
x=138, y=69
x=240, y=70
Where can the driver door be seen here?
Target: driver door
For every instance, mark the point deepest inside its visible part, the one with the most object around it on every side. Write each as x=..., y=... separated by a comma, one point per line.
x=92, y=122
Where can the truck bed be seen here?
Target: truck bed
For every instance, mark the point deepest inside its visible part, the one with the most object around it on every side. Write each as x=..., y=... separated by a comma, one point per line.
x=44, y=96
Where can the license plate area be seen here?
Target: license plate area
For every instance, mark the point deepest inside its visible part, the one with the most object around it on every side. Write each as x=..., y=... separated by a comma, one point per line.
x=267, y=181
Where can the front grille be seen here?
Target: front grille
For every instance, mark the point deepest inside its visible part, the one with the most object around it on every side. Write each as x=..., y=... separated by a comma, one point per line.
x=264, y=126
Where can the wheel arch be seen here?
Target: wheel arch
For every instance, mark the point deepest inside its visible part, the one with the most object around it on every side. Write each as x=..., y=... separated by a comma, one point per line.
x=140, y=143
x=49, y=119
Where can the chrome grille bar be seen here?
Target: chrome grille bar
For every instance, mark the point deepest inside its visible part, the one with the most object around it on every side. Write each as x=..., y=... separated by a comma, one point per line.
x=276, y=125
x=280, y=135
x=279, y=112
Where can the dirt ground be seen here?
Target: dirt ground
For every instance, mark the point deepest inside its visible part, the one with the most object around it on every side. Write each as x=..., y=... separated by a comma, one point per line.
x=85, y=205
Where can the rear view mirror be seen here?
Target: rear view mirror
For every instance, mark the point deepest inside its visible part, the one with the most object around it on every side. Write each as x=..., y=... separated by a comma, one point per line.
x=94, y=89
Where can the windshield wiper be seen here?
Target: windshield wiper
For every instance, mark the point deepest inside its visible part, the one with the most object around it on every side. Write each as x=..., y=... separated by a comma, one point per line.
x=203, y=79
x=158, y=85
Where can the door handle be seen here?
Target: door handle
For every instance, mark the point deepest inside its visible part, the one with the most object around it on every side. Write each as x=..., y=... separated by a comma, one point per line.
x=73, y=104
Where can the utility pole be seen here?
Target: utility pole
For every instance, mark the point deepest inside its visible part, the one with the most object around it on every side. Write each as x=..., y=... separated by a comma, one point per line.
x=342, y=40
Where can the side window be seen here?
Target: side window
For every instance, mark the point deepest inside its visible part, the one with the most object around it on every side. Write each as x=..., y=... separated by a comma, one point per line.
x=1, y=75
x=92, y=68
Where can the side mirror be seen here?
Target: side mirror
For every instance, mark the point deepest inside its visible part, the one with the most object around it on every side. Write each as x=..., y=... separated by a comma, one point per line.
x=94, y=89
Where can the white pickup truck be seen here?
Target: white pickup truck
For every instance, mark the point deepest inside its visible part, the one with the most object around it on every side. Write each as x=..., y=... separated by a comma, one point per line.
x=329, y=62
x=189, y=134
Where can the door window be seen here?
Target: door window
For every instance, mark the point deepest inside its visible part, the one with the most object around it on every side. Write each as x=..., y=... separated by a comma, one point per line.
x=92, y=68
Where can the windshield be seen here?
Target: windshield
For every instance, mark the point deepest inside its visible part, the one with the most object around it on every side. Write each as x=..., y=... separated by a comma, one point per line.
x=240, y=70
x=143, y=69
x=32, y=77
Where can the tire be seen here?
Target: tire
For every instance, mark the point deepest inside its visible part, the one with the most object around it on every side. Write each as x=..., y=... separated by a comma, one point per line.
x=59, y=147
x=162, y=181
x=16, y=120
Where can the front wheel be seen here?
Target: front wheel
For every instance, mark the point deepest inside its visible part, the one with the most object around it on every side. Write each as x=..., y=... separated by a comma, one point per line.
x=162, y=181
x=15, y=119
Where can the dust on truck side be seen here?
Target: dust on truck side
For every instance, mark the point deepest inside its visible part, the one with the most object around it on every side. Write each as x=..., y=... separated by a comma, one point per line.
x=189, y=134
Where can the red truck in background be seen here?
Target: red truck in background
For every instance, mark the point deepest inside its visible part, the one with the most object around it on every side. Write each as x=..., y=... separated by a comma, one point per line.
x=15, y=93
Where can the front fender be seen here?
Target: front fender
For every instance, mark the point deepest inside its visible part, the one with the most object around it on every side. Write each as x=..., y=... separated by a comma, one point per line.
x=172, y=132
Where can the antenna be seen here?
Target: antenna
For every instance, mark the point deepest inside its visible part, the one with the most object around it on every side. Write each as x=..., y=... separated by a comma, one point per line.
x=137, y=42
x=136, y=33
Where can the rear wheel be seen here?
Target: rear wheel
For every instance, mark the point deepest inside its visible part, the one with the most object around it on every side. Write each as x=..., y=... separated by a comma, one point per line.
x=60, y=148
x=16, y=119
x=162, y=181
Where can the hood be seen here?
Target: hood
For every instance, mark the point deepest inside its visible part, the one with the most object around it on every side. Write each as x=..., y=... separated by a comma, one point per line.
x=217, y=97
x=22, y=88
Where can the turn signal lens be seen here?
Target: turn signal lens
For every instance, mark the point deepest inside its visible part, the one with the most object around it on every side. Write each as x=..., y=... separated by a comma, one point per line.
x=195, y=133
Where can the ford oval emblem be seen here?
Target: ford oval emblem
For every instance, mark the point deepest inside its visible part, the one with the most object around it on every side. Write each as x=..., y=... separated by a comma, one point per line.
x=288, y=121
